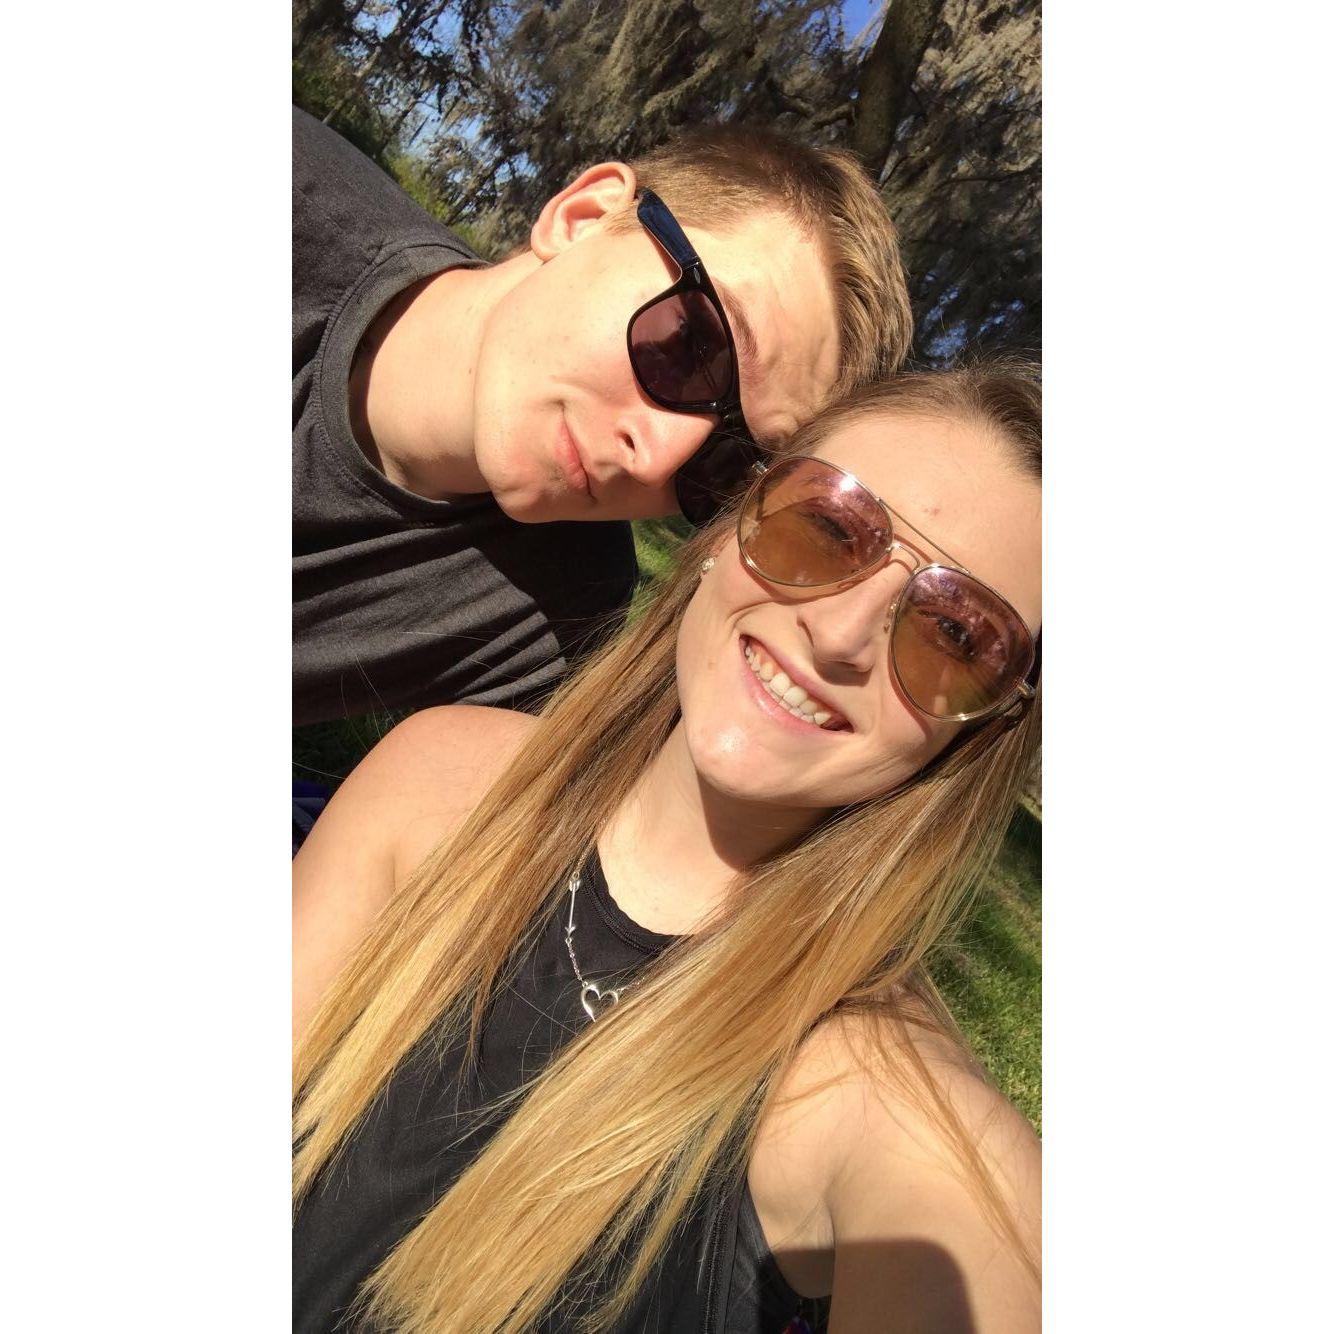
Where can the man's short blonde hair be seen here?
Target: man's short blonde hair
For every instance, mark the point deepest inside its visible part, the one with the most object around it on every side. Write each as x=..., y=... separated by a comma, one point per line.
x=719, y=176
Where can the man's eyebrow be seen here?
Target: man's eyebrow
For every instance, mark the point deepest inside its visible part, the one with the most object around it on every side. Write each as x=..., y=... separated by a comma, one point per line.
x=740, y=325
x=747, y=348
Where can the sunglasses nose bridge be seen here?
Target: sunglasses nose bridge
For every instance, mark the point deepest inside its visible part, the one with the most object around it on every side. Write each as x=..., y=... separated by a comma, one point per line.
x=898, y=549
x=899, y=553
x=912, y=562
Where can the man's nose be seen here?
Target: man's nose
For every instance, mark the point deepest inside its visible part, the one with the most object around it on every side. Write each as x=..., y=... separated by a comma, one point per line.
x=658, y=442
x=847, y=627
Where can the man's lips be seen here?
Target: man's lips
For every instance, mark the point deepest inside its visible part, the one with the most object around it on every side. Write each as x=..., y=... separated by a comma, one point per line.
x=570, y=460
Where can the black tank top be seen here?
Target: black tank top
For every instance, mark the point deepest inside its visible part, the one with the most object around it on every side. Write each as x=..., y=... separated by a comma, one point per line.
x=716, y=1277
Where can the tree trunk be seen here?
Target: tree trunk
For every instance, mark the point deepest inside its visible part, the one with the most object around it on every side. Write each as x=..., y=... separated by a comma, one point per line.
x=886, y=76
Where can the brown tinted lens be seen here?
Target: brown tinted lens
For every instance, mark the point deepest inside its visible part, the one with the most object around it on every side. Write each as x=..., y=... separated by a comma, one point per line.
x=807, y=523
x=680, y=350
x=958, y=646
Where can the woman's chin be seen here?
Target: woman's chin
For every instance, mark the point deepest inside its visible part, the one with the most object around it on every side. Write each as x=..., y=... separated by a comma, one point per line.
x=736, y=764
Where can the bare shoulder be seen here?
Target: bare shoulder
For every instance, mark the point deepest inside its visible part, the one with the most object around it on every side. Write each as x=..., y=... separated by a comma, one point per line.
x=919, y=1240
x=901, y=1235
x=418, y=784
x=411, y=791
x=435, y=767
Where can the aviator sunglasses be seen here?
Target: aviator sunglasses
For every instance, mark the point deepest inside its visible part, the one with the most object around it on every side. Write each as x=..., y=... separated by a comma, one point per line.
x=684, y=358
x=959, y=651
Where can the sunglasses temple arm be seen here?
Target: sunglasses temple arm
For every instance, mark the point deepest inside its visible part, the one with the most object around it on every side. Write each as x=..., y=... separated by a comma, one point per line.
x=1023, y=701
x=656, y=216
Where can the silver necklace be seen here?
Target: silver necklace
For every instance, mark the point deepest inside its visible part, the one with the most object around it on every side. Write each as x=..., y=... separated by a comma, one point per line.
x=592, y=997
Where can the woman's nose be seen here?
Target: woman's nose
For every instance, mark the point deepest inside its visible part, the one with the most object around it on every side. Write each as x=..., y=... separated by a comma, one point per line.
x=848, y=626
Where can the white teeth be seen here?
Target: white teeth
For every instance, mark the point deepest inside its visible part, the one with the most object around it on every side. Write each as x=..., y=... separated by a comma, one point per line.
x=781, y=688
x=763, y=669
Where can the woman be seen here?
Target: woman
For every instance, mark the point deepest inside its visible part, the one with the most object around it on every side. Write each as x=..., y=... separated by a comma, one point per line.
x=617, y=1019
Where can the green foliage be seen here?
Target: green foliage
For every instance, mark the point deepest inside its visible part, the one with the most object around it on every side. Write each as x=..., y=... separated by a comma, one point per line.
x=322, y=84
x=657, y=543
x=327, y=752
x=413, y=176
x=964, y=181
x=566, y=84
x=417, y=179
x=497, y=104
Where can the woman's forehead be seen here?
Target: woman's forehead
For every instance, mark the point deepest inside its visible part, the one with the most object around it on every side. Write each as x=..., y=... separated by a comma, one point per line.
x=958, y=485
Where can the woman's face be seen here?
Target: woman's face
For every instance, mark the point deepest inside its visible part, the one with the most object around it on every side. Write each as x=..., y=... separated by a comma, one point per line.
x=954, y=486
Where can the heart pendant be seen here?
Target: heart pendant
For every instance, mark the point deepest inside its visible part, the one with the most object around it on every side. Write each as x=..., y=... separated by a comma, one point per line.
x=604, y=999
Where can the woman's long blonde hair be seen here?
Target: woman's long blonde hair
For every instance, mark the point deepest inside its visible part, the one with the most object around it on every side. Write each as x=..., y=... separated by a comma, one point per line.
x=609, y=1147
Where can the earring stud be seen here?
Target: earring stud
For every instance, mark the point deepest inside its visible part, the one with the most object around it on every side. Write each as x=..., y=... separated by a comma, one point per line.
x=706, y=566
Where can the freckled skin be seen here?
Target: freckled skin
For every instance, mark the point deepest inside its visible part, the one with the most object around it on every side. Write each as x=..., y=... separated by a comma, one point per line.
x=961, y=486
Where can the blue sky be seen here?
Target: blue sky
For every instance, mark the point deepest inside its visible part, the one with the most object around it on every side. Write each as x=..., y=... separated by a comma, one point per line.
x=856, y=15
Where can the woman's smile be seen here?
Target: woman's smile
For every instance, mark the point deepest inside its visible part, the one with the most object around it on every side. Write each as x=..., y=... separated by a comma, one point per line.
x=785, y=700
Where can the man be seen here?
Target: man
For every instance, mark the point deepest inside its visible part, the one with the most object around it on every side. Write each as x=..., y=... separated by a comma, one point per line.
x=468, y=438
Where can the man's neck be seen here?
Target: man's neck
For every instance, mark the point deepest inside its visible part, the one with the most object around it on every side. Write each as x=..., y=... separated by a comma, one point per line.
x=410, y=393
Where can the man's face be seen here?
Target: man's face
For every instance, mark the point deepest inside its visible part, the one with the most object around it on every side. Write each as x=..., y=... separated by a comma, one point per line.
x=562, y=428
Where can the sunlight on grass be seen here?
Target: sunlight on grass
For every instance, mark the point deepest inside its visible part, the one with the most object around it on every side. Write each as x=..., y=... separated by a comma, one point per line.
x=991, y=972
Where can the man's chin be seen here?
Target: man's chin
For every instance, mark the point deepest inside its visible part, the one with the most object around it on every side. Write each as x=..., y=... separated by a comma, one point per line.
x=530, y=504
x=523, y=507
x=533, y=503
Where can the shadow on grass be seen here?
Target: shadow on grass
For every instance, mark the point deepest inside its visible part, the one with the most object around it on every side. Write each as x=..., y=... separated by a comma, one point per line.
x=327, y=752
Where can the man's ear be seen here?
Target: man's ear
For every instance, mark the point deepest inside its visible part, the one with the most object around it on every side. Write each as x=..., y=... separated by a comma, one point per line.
x=583, y=206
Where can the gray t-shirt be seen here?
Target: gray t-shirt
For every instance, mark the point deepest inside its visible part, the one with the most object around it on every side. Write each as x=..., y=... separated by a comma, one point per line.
x=400, y=601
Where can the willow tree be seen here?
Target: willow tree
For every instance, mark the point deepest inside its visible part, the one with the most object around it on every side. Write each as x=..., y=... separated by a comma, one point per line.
x=963, y=180
x=485, y=108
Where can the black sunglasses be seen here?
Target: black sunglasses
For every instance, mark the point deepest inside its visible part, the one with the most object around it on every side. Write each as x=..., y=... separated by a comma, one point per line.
x=684, y=357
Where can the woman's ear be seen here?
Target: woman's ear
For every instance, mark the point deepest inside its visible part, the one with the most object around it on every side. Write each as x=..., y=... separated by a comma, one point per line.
x=582, y=207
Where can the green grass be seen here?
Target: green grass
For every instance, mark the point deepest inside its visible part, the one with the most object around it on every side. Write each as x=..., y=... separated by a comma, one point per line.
x=991, y=970
x=657, y=542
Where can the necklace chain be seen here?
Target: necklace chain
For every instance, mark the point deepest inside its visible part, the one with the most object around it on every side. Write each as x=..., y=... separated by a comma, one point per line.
x=593, y=998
